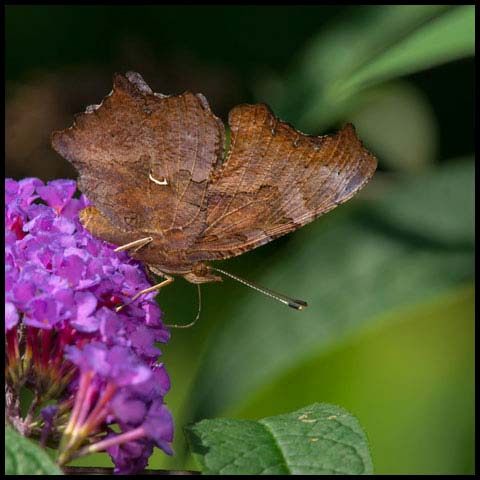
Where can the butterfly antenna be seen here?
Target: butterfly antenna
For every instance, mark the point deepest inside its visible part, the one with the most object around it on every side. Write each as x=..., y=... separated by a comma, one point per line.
x=191, y=324
x=291, y=302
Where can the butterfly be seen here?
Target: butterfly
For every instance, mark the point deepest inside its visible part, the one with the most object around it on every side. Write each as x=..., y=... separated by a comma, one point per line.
x=155, y=168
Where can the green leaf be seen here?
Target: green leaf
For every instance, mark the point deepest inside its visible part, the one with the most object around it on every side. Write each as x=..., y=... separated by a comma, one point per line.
x=411, y=384
x=397, y=122
x=435, y=206
x=318, y=439
x=360, y=37
x=448, y=37
x=369, y=45
x=352, y=267
x=24, y=457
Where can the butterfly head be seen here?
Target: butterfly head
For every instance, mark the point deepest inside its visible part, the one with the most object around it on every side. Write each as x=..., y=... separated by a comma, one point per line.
x=202, y=274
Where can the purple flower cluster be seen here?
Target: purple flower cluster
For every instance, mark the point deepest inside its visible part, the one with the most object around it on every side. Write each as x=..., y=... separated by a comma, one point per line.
x=65, y=339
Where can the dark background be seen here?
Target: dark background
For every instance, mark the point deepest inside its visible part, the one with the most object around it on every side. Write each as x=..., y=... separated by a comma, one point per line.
x=64, y=58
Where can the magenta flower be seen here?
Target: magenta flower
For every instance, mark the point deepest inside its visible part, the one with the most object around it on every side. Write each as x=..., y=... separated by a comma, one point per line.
x=88, y=366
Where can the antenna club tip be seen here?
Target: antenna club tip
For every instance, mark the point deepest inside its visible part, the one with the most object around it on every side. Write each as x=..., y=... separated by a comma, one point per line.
x=298, y=304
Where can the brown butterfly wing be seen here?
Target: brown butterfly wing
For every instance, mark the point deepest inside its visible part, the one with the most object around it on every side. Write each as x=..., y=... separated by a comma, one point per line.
x=276, y=179
x=152, y=165
x=136, y=135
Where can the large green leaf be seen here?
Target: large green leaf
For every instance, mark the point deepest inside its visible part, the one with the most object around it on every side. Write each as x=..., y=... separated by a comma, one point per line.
x=447, y=37
x=370, y=45
x=436, y=207
x=398, y=123
x=24, y=457
x=318, y=439
x=410, y=383
x=352, y=267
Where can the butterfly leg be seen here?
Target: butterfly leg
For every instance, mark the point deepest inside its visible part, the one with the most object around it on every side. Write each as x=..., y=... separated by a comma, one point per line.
x=158, y=286
x=136, y=245
x=191, y=324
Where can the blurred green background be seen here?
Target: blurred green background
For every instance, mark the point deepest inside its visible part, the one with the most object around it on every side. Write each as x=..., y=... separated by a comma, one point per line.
x=389, y=277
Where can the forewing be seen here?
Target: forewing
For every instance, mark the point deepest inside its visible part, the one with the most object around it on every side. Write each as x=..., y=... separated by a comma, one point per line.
x=145, y=159
x=276, y=179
